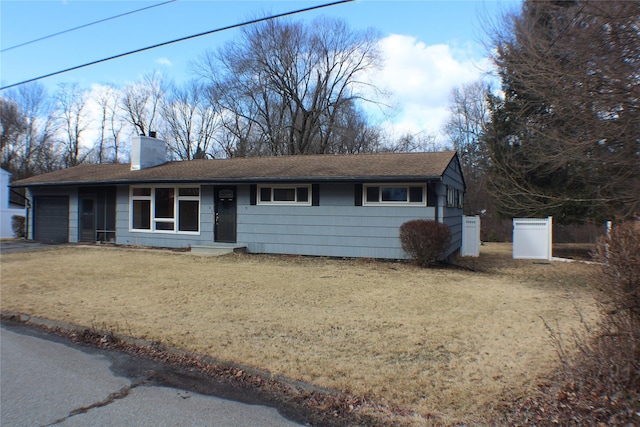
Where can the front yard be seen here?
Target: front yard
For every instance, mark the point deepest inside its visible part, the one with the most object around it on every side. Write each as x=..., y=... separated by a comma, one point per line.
x=449, y=343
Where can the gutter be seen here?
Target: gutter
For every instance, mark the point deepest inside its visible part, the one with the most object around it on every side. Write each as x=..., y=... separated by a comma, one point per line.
x=231, y=181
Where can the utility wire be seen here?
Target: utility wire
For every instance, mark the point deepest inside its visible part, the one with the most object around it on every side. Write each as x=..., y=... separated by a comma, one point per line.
x=229, y=27
x=87, y=25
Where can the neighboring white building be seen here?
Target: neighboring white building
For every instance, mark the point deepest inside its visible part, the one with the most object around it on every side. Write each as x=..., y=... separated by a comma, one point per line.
x=6, y=211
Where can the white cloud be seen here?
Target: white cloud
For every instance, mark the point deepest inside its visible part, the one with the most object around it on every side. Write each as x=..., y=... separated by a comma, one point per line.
x=419, y=79
x=164, y=61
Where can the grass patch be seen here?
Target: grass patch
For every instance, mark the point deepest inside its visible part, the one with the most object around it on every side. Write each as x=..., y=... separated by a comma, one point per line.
x=447, y=343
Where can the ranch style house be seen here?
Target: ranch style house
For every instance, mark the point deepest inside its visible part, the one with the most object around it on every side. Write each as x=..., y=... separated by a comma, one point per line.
x=348, y=205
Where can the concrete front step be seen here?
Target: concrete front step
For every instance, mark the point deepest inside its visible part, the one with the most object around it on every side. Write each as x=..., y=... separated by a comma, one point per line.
x=217, y=249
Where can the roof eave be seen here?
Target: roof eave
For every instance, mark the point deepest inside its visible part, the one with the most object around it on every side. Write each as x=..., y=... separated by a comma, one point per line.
x=256, y=180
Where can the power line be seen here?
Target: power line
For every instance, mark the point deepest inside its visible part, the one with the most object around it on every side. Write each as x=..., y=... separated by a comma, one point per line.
x=86, y=25
x=229, y=27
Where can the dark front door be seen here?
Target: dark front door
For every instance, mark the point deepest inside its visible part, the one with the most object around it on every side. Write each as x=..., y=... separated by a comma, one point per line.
x=87, y=219
x=226, y=214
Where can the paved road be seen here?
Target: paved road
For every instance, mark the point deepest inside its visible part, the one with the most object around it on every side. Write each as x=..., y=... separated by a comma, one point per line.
x=47, y=382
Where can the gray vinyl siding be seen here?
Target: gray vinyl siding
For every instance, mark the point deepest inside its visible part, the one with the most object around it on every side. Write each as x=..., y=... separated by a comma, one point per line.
x=452, y=216
x=335, y=228
x=71, y=193
x=124, y=236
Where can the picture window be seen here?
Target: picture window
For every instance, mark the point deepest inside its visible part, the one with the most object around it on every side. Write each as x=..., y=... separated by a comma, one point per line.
x=159, y=209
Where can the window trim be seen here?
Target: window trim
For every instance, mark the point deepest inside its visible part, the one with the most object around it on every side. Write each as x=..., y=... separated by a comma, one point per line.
x=455, y=198
x=406, y=185
x=294, y=186
x=177, y=198
x=451, y=197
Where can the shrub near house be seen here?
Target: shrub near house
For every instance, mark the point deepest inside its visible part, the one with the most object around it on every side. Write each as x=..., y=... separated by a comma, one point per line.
x=425, y=241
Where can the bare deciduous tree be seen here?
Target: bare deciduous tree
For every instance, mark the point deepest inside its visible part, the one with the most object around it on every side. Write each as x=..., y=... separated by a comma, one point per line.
x=73, y=119
x=284, y=86
x=191, y=121
x=28, y=128
x=412, y=142
x=353, y=134
x=107, y=146
x=468, y=120
x=141, y=102
x=13, y=125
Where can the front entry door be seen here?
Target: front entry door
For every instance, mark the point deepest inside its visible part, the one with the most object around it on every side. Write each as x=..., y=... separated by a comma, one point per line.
x=87, y=219
x=225, y=216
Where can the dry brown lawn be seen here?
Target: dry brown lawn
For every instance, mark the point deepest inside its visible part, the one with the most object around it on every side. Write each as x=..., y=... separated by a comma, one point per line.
x=447, y=342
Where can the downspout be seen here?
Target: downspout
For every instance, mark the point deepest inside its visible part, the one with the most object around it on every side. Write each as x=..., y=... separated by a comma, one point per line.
x=26, y=221
x=438, y=205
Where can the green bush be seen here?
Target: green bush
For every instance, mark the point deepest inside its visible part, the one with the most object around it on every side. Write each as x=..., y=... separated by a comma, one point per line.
x=425, y=241
x=18, y=226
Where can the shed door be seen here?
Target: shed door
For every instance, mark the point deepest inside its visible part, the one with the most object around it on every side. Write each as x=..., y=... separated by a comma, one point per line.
x=51, y=219
x=226, y=211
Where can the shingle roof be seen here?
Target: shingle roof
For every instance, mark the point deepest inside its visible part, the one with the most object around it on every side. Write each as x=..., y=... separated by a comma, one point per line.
x=384, y=166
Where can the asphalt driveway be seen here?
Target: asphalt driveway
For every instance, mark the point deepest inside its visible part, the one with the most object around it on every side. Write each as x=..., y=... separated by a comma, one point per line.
x=21, y=245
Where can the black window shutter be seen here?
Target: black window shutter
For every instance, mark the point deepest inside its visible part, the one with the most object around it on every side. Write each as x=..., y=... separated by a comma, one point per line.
x=358, y=195
x=315, y=195
x=432, y=196
x=253, y=194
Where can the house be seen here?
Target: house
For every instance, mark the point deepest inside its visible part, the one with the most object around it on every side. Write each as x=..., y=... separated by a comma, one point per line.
x=325, y=205
x=7, y=209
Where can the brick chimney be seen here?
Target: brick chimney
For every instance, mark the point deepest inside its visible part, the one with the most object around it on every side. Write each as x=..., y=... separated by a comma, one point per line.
x=147, y=151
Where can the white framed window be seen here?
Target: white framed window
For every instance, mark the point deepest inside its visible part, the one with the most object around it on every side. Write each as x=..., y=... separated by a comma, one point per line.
x=451, y=197
x=394, y=194
x=165, y=209
x=284, y=194
x=455, y=198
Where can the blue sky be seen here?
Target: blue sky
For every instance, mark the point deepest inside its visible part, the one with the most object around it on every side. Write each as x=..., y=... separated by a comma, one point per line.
x=430, y=46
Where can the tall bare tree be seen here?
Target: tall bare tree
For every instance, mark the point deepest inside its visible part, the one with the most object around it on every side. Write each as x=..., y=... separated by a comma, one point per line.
x=284, y=85
x=107, y=145
x=141, y=102
x=565, y=140
x=353, y=133
x=469, y=117
x=13, y=125
x=28, y=128
x=191, y=121
x=117, y=124
x=73, y=118
x=411, y=141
